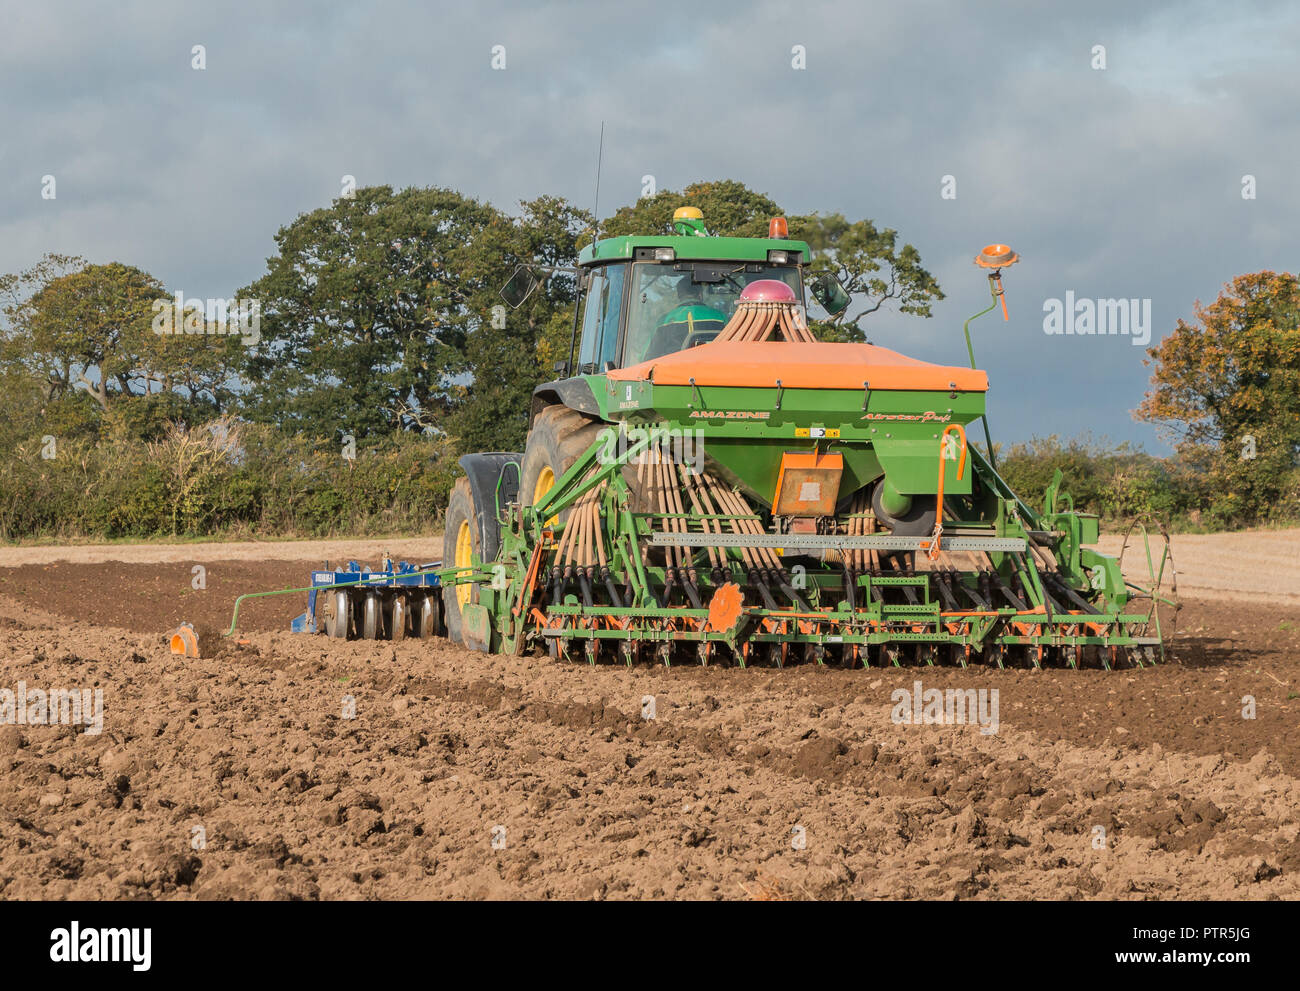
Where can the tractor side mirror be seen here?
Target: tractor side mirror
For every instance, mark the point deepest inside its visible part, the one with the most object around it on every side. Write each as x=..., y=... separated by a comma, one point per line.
x=519, y=286
x=830, y=294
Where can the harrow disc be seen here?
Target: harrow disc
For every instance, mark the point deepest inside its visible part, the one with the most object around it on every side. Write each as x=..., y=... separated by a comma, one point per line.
x=337, y=608
x=371, y=620
x=399, y=618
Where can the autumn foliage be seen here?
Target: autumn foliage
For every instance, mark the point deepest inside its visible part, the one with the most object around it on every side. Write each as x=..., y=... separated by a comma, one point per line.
x=1225, y=392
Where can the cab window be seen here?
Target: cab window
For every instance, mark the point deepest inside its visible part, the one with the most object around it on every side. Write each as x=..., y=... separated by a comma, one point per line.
x=602, y=309
x=678, y=306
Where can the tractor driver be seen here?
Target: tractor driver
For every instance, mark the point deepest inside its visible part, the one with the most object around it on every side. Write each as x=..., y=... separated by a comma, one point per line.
x=688, y=323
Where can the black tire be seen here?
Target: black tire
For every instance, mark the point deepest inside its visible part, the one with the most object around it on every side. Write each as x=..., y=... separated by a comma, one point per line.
x=558, y=438
x=918, y=521
x=460, y=511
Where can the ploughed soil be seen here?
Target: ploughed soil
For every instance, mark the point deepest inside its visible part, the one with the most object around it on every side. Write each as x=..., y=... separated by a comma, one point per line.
x=288, y=766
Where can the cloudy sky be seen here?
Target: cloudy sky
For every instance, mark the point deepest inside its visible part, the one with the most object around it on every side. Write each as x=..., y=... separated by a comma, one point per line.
x=1122, y=181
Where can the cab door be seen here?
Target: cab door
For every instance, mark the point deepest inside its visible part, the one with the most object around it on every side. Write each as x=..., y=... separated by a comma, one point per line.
x=602, y=318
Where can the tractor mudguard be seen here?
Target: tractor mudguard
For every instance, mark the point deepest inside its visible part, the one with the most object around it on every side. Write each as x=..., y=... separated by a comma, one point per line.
x=574, y=393
x=494, y=483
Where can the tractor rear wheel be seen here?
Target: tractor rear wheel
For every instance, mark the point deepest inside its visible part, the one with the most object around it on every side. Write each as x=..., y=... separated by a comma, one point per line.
x=461, y=543
x=558, y=438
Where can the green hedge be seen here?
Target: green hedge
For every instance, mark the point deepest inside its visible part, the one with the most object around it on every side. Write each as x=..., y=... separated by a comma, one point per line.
x=266, y=483
x=1119, y=483
x=270, y=483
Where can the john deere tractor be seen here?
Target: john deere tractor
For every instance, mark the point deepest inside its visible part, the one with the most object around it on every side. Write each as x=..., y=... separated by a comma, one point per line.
x=709, y=482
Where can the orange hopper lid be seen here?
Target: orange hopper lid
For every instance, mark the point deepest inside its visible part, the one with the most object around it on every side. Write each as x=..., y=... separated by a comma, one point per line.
x=823, y=365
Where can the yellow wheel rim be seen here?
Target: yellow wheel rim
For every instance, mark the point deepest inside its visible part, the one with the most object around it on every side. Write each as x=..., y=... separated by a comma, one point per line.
x=545, y=482
x=464, y=559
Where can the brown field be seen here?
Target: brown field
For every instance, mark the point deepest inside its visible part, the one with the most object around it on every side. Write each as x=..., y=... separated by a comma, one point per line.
x=704, y=801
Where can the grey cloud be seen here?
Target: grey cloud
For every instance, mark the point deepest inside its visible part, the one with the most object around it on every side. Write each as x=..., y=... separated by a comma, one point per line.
x=1117, y=183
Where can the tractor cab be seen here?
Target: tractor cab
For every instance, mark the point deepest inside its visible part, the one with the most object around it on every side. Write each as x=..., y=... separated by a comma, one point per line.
x=645, y=297
x=641, y=298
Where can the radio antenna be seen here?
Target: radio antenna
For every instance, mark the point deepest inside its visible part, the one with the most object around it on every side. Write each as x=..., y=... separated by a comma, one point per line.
x=600, y=154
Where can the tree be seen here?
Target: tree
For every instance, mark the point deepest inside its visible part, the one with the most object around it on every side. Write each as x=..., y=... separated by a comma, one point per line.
x=36, y=396
x=868, y=261
x=511, y=351
x=730, y=208
x=366, y=308
x=1225, y=391
x=83, y=330
x=871, y=266
x=382, y=312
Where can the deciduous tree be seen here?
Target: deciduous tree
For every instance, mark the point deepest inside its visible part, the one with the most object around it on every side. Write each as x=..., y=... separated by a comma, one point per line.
x=1225, y=390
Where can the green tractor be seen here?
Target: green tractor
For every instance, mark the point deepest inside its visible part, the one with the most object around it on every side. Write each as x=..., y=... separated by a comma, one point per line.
x=707, y=481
